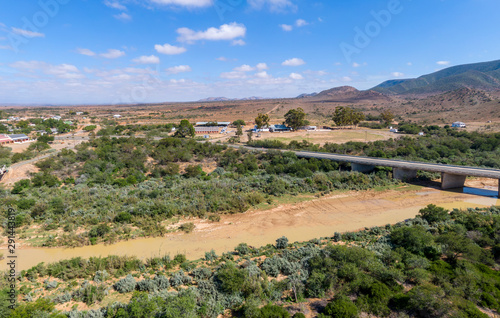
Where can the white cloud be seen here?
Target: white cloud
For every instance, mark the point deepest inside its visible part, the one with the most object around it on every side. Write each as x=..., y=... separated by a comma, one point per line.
x=273, y=5
x=233, y=75
x=296, y=76
x=64, y=71
x=409, y=63
x=239, y=42
x=115, y=5
x=300, y=23
x=185, y=3
x=397, y=74
x=262, y=74
x=224, y=32
x=169, y=49
x=112, y=54
x=262, y=66
x=123, y=17
x=28, y=34
x=5, y=47
x=85, y=52
x=293, y=62
x=222, y=58
x=356, y=64
x=178, y=69
x=286, y=27
x=244, y=68
x=443, y=63
x=152, y=59
x=317, y=73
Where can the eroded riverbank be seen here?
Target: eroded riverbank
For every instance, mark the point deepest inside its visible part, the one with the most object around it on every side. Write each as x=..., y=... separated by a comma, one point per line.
x=299, y=222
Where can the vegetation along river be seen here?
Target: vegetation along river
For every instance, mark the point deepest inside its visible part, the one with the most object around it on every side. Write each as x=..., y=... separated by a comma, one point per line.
x=298, y=222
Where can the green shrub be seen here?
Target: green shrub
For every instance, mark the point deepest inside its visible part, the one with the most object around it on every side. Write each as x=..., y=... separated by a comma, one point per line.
x=434, y=214
x=125, y=285
x=341, y=307
x=282, y=242
x=187, y=227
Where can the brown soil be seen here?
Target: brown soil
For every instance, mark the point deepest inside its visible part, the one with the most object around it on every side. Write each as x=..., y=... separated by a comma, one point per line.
x=17, y=174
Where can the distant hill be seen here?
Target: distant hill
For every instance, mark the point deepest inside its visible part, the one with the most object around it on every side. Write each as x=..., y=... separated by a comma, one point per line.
x=306, y=95
x=222, y=99
x=481, y=76
x=349, y=94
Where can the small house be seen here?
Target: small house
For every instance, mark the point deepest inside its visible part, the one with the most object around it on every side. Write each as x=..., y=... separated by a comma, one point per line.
x=19, y=138
x=458, y=124
x=206, y=130
x=4, y=139
x=279, y=128
x=117, y=116
x=263, y=129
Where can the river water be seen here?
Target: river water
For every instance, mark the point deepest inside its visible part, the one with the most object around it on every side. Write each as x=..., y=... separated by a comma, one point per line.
x=298, y=222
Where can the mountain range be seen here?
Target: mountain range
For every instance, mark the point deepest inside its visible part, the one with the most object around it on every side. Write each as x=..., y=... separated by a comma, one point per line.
x=222, y=99
x=480, y=76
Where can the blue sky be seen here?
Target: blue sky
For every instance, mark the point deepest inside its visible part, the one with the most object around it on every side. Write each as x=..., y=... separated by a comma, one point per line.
x=137, y=51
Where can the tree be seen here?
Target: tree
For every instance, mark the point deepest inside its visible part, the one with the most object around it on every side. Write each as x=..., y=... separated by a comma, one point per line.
x=295, y=118
x=240, y=122
x=345, y=116
x=185, y=129
x=282, y=242
x=262, y=120
x=356, y=117
x=387, y=117
x=433, y=214
x=90, y=128
x=39, y=146
x=45, y=138
x=341, y=116
x=239, y=130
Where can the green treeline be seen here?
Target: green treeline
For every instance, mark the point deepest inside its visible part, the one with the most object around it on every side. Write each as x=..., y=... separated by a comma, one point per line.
x=442, y=145
x=439, y=264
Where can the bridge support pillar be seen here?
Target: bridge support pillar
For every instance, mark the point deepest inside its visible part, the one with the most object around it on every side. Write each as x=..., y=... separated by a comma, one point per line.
x=362, y=168
x=404, y=174
x=451, y=181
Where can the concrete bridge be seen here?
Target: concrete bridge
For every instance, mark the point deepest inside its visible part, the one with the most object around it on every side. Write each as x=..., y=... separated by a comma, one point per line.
x=451, y=176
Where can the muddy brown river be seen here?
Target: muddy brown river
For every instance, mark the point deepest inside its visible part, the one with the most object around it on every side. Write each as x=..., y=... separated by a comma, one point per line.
x=299, y=222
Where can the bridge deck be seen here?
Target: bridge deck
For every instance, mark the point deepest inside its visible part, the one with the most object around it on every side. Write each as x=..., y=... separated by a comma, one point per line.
x=410, y=165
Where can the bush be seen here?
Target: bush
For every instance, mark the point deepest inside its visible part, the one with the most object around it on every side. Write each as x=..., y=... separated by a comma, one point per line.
x=434, y=214
x=230, y=278
x=341, y=307
x=187, y=227
x=337, y=237
x=282, y=242
x=125, y=285
x=123, y=217
x=273, y=311
x=243, y=249
x=50, y=284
